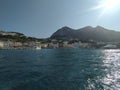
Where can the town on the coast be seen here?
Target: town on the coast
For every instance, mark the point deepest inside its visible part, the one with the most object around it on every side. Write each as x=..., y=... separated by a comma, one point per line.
x=48, y=43
x=87, y=37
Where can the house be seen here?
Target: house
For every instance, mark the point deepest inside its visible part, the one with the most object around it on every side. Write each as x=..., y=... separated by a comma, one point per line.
x=76, y=44
x=44, y=45
x=85, y=45
x=8, y=44
x=18, y=44
x=65, y=44
x=53, y=45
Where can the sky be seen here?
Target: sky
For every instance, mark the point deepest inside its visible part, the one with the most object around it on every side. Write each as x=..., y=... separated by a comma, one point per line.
x=41, y=18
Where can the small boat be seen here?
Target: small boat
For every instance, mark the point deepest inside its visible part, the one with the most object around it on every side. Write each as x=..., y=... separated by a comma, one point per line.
x=37, y=48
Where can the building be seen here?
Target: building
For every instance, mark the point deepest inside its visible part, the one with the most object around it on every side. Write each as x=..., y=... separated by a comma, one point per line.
x=53, y=45
x=1, y=44
x=18, y=44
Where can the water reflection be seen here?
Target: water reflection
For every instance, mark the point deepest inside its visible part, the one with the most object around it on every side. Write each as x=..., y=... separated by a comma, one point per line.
x=112, y=62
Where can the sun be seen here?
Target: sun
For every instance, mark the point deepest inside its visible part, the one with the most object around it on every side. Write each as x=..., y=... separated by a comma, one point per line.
x=107, y=6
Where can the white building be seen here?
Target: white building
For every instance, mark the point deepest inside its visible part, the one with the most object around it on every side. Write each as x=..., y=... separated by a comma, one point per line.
x=1, y=44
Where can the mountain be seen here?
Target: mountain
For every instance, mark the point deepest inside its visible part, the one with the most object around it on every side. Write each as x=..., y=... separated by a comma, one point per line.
x=87, y=33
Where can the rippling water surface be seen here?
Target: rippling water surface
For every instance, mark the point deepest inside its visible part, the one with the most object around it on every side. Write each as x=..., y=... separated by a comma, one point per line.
x=60, y=69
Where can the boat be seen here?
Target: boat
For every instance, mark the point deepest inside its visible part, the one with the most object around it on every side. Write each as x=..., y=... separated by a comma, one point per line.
x=37, y=47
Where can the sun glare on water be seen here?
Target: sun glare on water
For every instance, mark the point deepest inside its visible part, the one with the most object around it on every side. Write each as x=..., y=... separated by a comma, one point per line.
x=107, y=6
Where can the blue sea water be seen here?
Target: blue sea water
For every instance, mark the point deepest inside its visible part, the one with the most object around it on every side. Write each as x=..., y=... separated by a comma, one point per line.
x=60, y=69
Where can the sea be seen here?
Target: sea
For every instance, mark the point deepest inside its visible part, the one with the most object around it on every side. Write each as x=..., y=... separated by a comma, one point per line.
x=60, y=69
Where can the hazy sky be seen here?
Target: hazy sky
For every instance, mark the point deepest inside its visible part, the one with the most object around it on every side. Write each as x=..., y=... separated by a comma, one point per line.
x=40, y=18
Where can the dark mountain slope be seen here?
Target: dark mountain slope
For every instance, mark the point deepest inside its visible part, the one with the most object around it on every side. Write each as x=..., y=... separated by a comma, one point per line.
x=87, y=33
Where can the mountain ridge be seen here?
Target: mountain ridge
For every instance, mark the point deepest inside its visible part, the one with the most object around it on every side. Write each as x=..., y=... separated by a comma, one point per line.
x=97, y=33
